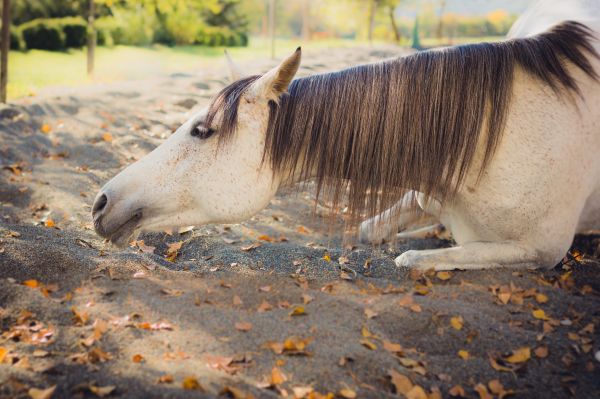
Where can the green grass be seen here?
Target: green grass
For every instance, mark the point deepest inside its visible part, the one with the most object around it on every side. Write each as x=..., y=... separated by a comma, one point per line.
x=34, y=70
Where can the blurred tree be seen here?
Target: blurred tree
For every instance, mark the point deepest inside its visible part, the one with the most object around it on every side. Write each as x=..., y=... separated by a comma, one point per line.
x=5, y=37
x=416, y=41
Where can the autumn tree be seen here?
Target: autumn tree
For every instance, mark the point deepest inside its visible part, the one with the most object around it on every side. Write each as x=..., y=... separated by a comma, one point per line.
x=5, y=37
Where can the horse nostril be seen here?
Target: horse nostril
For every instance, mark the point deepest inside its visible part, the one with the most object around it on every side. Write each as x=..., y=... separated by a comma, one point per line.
x=100, y=204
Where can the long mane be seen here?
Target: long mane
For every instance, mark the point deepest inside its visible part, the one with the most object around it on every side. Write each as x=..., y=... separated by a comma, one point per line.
x=375, y=130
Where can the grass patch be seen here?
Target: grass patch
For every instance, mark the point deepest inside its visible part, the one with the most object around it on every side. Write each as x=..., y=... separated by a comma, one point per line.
x=34, y=70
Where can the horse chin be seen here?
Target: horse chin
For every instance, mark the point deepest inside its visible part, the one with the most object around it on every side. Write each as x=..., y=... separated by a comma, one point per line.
x=124, y=237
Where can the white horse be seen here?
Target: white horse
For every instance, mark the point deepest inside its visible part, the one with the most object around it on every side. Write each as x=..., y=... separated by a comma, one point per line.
x=500, y=142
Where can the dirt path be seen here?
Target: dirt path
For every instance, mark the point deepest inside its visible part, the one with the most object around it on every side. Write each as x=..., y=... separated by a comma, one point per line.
x=271, y=307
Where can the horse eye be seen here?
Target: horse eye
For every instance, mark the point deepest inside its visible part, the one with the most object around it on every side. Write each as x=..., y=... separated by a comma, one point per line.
x=202, y=132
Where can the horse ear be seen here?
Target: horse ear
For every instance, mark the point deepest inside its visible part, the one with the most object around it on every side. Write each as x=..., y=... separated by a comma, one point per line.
x=275, y=82
x=234, y=72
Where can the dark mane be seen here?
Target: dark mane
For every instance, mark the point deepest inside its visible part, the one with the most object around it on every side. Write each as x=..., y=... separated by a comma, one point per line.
x=415, y=122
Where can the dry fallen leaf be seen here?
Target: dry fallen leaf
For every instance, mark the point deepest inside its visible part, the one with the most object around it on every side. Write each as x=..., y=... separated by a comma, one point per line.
x=540, y=314
x=401, y=382
x=416, y=392
x=443, y=275
x=457, y=391
x=520, y=355
x=35, y=393
x=165, y=379
x=79, y=318
x=541, y=351
x=277, y=377
x=192, y=384
x=463, y=354
x=137, y=358
x=457, y=322
x=370, y=313
x=367, y=343
x=347, y=393
x=243, y=326
x=541, y=298
x=107, y=137
x=298, y=311
x=392, y=347
x=483, y=391
x=173, y=251
x=31, y=283
x=102, y=391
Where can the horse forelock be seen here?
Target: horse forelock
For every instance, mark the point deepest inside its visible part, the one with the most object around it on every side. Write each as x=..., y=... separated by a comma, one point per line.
x=223, y=110
x=373, y=131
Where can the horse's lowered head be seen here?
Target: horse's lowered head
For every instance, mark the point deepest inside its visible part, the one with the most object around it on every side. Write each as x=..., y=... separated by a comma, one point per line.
x=211, y=170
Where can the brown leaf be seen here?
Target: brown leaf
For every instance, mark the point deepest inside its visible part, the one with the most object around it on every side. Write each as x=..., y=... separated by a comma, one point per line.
x=79, y=318
x=443, y=275
x=171, y=292
x=265, y=307
x=392, y=347
x=483, y=392
x=102, y=391
x=277, y=377
x=347, y=393
x=192, y=384
x=416, y=392
x=165, y=379
x=541, y=351
x=243, y=326
x=137, y=358
x=35, y=393
x=457, y=391
x=306, y=299
x=266, y=288
x=401, y=382
x=370, y=313
x=251, y=247
x=367, y=343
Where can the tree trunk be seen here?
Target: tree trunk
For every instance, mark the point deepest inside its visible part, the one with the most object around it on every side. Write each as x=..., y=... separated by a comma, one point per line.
x=440, y=27
x=372, y=9
x=305, y=20
x=91, y=38
x=397, y=35
x=5, y=36
x=272, y=26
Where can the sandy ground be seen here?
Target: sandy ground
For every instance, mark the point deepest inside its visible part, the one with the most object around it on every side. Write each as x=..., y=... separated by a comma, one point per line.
x=297, y=315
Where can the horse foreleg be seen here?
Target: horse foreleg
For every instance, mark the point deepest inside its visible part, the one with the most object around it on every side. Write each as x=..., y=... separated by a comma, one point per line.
x=382, y=227
x=472, y=255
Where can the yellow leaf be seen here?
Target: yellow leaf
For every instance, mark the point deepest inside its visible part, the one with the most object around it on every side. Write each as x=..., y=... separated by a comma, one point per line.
x=107, y=137
x=192, y=384
x=520, y=355
x=540, y=314
x=102, y=391
x=277, y=377
x=327, y=258
x=35, y=393
x=463, y=354
x=541, y=298
x=49, y=223
x=457, y=322
x=347, y=393
x=368, y=344
x=298, y=311
x=45, y=128
x=443, y=275
x=457, y=390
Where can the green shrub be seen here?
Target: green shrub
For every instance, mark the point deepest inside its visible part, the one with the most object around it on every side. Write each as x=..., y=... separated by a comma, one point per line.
x=221, y=36
x=43, y=34
x=75, y=30
x=16, y=39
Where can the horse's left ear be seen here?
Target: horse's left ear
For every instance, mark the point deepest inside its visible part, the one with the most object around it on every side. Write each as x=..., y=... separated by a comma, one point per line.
x=275, y=82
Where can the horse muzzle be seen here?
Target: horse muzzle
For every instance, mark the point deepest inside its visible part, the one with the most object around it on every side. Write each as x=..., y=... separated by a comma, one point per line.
x=119, y=226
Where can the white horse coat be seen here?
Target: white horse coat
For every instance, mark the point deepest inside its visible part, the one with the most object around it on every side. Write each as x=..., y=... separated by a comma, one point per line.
x=540, y=188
